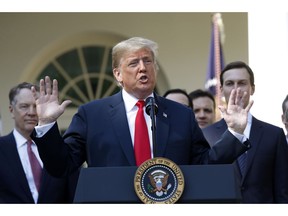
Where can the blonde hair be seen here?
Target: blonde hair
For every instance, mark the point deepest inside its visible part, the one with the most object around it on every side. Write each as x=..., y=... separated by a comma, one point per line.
x=133, y=44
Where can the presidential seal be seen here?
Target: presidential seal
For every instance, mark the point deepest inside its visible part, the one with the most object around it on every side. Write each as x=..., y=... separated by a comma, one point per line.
x=159, y=180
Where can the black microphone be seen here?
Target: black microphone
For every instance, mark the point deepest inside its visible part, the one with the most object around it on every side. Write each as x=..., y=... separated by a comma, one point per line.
x=151, y=105
x=151, y=109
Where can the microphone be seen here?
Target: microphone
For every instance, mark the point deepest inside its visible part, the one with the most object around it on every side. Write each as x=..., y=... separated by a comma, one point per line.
x=151, y=105
x=151, y=109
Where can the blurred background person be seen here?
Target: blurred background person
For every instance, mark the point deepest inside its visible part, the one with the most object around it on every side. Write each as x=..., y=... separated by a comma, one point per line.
x=203, y=104
x=178, y=95
x=285, y=115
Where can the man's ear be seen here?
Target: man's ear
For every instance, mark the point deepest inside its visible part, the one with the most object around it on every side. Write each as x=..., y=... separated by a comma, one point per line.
x=253, y=90
x=221, y=92
x=11, y=110
x=117, y=75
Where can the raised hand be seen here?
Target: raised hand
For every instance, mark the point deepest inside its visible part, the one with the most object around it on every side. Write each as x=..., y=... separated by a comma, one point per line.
x=236, y=113
x=47, y=102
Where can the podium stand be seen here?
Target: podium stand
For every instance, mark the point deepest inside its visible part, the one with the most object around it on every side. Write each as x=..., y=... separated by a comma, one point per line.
x=203, y=184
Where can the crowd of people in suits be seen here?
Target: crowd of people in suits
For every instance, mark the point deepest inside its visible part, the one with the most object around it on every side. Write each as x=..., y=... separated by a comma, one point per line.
x=101, y=133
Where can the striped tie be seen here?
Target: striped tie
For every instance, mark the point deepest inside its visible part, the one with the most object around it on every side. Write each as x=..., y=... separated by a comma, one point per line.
x=242, y=162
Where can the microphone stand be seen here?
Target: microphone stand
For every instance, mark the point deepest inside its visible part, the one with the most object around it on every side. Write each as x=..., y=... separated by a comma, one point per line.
x=153, y=128
x=151, y=109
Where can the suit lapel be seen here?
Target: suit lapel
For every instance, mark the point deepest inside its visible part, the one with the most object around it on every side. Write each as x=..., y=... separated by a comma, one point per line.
x=255, y=135
x=119, y=120
x=162, y=128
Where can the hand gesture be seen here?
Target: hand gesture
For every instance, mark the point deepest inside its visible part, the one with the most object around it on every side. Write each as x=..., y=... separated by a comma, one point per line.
x=236, y=114
x=47, y=103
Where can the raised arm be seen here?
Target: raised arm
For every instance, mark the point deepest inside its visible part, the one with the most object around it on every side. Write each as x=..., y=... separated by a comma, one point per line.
x=236, y=114
x=47, y=102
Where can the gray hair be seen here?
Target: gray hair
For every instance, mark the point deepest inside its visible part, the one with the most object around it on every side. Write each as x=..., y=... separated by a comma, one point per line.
x=130, y=45
x=16, y=89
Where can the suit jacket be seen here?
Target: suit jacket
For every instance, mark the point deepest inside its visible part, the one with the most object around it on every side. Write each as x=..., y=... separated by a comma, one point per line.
x=14, y=186
x=99, y=133
x=266, y=176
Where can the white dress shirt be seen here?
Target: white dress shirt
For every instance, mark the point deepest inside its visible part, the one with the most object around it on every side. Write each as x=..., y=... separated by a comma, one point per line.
x=131, y=112
x=21, y=143
x=248, y=126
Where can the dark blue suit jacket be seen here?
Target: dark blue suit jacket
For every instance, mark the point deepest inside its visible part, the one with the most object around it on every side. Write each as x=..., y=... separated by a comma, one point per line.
x=99, y=133
x=14, y=186
x=266, y=176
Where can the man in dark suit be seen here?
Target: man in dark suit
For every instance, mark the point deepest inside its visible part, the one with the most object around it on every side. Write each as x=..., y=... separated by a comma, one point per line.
x=102, y=131
x=264, y=178
x=17, y=183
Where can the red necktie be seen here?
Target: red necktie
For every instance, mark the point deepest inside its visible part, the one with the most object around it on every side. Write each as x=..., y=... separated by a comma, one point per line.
x=141, y=137
x=35, y=165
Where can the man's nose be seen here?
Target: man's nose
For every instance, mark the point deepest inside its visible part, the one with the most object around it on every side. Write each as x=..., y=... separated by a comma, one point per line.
x=32, y=110
x=201, y=113
x=142, y=65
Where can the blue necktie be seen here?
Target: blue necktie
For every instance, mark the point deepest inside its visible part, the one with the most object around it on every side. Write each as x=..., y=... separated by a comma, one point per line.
x=242, y=162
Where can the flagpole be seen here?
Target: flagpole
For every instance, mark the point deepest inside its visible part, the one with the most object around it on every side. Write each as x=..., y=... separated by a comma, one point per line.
x=216, y=60
x=217, y=21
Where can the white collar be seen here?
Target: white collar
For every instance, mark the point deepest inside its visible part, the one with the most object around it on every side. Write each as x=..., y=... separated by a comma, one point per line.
x=130, y=100
x=20, y=140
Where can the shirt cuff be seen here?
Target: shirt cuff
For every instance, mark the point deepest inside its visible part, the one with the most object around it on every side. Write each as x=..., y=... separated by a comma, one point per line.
x=43, y=129
x=241, y=137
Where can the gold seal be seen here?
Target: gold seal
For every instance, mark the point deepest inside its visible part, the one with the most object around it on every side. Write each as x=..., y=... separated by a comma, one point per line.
x=159, y=181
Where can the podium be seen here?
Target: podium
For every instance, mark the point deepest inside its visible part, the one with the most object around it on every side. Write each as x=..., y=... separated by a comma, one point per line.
x=203, y=184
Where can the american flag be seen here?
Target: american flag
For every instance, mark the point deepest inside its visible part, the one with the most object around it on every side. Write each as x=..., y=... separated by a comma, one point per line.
x=216, y=58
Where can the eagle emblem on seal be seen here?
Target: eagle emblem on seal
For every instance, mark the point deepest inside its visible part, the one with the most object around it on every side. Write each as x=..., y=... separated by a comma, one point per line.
x=159, y=182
